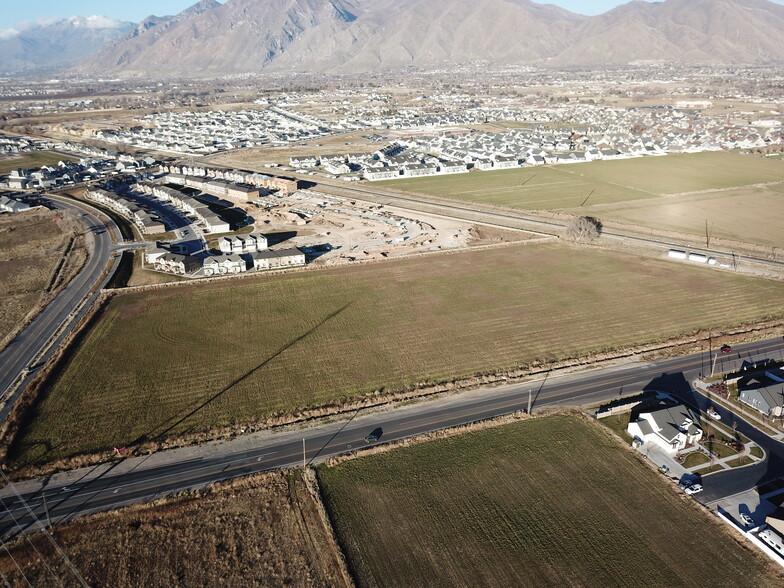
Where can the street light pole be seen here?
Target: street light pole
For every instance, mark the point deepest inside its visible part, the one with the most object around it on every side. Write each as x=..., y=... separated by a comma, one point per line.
x=304, y=460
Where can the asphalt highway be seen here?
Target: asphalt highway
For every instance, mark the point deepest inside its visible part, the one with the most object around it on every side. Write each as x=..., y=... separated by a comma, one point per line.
x=25, y=349
x=132, y=480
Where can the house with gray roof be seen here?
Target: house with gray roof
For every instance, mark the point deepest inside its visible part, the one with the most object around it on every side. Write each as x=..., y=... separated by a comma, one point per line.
x=671, y=427
x=764, y=392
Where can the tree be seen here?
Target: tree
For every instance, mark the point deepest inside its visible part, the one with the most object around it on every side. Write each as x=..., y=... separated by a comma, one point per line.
x=583, y=229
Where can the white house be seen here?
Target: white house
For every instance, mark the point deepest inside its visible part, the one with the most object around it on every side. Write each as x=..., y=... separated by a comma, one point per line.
x=224, y=264
x=270, y=259
x=243, y=243
x=672, y=428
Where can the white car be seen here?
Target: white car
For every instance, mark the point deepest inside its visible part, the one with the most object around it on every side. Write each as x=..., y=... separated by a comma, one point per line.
x=747, y=520
x=713, y=414
x=693, y=489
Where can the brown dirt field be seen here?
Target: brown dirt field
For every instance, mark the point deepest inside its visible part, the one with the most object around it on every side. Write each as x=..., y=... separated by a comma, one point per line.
x=265, y=530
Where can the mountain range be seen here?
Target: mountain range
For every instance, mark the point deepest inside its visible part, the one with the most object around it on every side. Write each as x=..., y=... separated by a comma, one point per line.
x=353, y=36
x=56, y=43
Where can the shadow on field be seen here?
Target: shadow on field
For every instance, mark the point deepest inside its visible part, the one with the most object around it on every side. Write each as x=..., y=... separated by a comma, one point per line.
x=170, y=424
x=338, y=432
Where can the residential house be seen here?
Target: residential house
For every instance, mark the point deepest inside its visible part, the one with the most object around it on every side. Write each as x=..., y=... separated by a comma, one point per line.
x=671, y=427
x=174, y=263
x=382, y=173
x=273, y=259
x=10, y=205
x=243, y=243
x=223, y=265
x=763, y=392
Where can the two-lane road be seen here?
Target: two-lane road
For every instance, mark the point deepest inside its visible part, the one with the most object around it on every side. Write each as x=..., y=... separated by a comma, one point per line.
x=25, y=348
x=139, y=479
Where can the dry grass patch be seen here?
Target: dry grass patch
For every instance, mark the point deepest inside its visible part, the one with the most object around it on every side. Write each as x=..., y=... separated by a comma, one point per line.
x=32, y=160
x=31, y=245
x=197, y=356
x=545, y=502
x=749, y=214
x=740, y=197
x=260, y=531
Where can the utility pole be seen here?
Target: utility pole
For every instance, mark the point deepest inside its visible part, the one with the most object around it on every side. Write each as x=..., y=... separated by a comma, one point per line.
x=46, y=510
x=713, y=367
x=529, y=401
x=304, y=459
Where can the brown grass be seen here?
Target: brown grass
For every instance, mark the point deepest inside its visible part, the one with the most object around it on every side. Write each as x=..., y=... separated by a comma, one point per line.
x=31, y=245
x=264, y=530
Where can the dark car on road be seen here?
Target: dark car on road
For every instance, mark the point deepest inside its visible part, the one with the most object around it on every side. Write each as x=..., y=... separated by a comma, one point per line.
x=374, y=435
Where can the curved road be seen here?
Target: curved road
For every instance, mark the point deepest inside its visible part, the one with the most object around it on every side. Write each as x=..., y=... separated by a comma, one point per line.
x=145, y=478
x=53, y=323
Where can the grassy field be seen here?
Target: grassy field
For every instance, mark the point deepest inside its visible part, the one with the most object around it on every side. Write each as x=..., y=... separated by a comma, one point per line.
x=31, y=244
x=740, y=197
x=31, y=160
x=741, y=214
x=542, y=188
x=551, y=501
x=197, y=356
x=261, y=531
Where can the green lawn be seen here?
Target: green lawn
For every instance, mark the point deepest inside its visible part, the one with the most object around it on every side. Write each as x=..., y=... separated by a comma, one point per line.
x=720, y=449
x=198, y=356
x=694, y=459
x=552, y=501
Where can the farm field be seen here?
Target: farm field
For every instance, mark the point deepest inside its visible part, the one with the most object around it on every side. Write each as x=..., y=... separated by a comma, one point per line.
x=680, y=173
x=744, y=214
x=31, y=244
x=191, y=357
x=550, y=501
x=31, y=160
x=540, y=188
x=260, y=531
x=740, y=195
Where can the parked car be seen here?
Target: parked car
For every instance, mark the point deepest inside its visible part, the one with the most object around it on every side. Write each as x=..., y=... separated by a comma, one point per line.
x=747, y=520
x=726, y=349
x=693, y=489
x=713, y=414
x=374, y=435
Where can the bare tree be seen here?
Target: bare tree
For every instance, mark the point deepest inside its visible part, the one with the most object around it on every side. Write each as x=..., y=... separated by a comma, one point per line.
x=583, y=229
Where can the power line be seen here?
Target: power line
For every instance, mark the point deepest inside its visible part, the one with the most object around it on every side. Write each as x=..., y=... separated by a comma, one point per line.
x=40, y=555
x=48, y=535
x=16, y=564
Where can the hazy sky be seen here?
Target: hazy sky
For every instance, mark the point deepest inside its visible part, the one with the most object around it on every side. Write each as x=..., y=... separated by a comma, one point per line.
x=16, y=11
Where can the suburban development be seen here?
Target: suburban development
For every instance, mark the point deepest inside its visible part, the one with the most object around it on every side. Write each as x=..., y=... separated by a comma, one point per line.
x=342, y=296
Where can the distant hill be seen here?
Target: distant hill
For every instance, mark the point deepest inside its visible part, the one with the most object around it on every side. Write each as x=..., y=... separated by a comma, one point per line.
x=136, y=43
x=56, y=44
x=351, y=36
x=693, y=31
